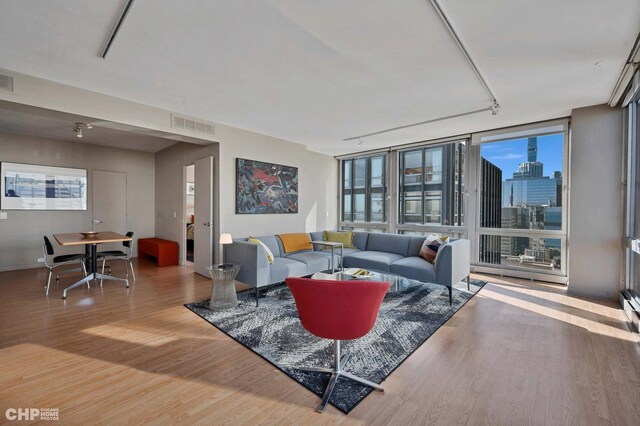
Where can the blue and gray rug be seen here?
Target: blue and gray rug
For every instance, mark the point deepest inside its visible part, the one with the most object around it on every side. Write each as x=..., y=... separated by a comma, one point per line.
x=273, y=331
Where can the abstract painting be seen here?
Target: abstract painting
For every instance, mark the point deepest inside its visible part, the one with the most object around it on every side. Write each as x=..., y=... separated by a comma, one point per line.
x=264, y=188
x=34, y=187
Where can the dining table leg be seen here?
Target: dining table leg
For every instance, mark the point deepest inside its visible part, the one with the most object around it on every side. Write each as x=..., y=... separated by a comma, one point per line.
x=94, y=275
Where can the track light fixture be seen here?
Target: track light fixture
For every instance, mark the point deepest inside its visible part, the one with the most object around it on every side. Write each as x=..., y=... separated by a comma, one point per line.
x=80, y=126
x=360, y=141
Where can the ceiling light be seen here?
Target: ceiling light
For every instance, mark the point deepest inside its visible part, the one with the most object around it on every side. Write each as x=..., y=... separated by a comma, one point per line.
x=79, y=127
x=360, y=141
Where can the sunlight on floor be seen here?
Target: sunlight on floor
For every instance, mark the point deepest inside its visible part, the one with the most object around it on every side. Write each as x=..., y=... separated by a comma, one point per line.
x=590, y=325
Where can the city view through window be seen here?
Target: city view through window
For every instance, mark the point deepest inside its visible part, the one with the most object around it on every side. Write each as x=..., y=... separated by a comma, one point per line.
x=521, y=188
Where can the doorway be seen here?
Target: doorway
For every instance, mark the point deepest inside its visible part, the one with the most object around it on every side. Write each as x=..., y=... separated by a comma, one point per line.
x=190, y=212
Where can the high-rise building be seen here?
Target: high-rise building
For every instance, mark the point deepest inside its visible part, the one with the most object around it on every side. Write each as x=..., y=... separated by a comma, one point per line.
x=532, y=150
x=514, y=218
x=490, y=211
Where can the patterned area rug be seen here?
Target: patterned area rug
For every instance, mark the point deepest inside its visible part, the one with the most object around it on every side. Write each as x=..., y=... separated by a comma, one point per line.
x=406, y=320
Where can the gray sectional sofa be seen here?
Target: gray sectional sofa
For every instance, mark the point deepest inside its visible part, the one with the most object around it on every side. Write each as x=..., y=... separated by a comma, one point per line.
x=397, y=254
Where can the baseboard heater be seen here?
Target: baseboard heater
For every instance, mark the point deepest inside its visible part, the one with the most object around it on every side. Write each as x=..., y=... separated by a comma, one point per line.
x=633, y=316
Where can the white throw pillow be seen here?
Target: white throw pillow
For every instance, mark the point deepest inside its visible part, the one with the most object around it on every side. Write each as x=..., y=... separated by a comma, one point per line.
x=264, y=246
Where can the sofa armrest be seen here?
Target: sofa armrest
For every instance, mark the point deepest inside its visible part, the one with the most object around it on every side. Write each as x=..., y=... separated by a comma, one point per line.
x=453, y=262
x=253, y=259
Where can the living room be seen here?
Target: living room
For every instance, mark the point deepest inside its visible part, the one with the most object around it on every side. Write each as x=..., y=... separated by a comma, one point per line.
x=383, y=122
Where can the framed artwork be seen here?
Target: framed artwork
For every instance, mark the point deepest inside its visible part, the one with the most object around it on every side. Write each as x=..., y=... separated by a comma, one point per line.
x=191, y=188
x=265, y=188
x=34, y=187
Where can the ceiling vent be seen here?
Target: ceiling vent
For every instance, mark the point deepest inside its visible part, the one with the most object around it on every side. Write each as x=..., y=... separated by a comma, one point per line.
x=191, y=125
x=6, y=83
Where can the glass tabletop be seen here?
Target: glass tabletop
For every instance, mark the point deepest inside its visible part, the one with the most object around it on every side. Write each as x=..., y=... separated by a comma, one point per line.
x=398, y=283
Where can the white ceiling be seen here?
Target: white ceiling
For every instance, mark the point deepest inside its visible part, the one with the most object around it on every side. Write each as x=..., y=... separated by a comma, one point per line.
x=28, y=120
x=316, y=72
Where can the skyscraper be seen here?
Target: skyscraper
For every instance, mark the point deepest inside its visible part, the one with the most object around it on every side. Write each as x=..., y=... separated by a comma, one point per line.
x=532, y=150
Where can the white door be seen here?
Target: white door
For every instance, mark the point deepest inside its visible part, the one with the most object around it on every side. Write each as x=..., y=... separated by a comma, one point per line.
x=109, y=204
x=203, y=213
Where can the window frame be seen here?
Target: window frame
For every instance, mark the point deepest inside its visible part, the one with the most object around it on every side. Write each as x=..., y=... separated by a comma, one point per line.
x=552, y=127
x=367, y=190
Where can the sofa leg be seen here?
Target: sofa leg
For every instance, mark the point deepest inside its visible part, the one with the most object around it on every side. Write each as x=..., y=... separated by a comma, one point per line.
x=450, y=296
x=257, y=296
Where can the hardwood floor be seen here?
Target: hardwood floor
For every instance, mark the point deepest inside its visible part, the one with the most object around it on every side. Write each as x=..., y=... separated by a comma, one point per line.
x=517, y=353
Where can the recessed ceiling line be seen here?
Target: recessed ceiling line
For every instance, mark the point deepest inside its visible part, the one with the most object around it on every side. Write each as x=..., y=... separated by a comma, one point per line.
x=116, y=28
x=456, y=38
x=492, y=108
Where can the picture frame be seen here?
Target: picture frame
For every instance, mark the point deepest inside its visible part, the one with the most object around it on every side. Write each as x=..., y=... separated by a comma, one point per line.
x=40, y=187
x=265, y=188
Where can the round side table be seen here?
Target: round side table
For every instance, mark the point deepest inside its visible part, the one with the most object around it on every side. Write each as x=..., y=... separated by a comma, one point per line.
x=223, y=293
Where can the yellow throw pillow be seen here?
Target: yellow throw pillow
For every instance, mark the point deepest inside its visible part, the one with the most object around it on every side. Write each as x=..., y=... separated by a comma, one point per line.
x=344, y=237
x=295, y=242
x=264, y=246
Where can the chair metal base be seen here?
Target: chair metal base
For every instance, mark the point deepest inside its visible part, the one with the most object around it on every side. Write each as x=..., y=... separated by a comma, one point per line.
x=336, y=373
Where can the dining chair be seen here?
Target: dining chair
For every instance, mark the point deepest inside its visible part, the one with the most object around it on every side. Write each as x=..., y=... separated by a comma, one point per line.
x=125, y=255
x=52, y=261
x=337, y=310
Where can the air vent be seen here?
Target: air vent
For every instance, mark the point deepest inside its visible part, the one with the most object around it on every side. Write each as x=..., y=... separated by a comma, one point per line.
x=191, y=125
x=6, y=83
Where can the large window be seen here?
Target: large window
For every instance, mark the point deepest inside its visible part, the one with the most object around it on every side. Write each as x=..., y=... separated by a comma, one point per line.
x=364, y=189
x=521, y=200
x=431, y=185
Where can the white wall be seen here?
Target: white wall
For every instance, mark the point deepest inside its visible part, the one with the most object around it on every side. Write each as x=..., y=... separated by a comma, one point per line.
x=595, y=216
x=21, y=234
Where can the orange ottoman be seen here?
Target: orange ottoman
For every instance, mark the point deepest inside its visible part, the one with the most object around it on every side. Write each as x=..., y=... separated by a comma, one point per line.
x=165, y=251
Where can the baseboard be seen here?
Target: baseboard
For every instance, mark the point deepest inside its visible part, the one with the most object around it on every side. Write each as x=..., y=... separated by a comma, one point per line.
x=594, y=294
x=20, y=267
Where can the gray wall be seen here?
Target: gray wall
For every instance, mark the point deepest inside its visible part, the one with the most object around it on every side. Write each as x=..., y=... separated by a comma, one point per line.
x=595, y=217
x=171, y=192
x=318, y=175
x=21, y=234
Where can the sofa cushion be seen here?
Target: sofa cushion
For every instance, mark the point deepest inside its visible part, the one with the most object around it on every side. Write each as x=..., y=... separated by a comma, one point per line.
x=272, y=242
x=414, y=267
x=295, y=242
x=390, y=243
x=316, y=261
x=360, y=240
x=344, y=237
x=378, y=260
x=415, y=245
x=283, y=268
x=347, y=251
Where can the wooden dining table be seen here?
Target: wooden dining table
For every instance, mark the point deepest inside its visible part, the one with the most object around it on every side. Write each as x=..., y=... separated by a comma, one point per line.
x=91, y=241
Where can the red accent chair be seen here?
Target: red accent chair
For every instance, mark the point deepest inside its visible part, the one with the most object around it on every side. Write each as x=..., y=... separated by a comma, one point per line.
x=337, y=310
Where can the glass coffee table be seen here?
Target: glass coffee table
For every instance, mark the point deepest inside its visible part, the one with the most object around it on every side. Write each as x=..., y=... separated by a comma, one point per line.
x=398, y=283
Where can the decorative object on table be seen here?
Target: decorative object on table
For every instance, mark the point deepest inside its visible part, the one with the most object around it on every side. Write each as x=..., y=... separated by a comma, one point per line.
x=191, y=188
x=431, y=245
x=34, y=187
x=224, y=240
x=358, y=273
x=223, y=292
x=263, y=188
x=407, y=318
x=52, y=261
x=264, y=246
x=90, y=233
x=335, y=311
x=344, y=237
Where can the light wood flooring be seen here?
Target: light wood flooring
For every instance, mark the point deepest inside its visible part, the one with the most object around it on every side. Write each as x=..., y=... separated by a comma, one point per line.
x=518, y=353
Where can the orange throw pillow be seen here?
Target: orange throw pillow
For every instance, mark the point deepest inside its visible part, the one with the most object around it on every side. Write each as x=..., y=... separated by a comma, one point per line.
x=295, y=242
